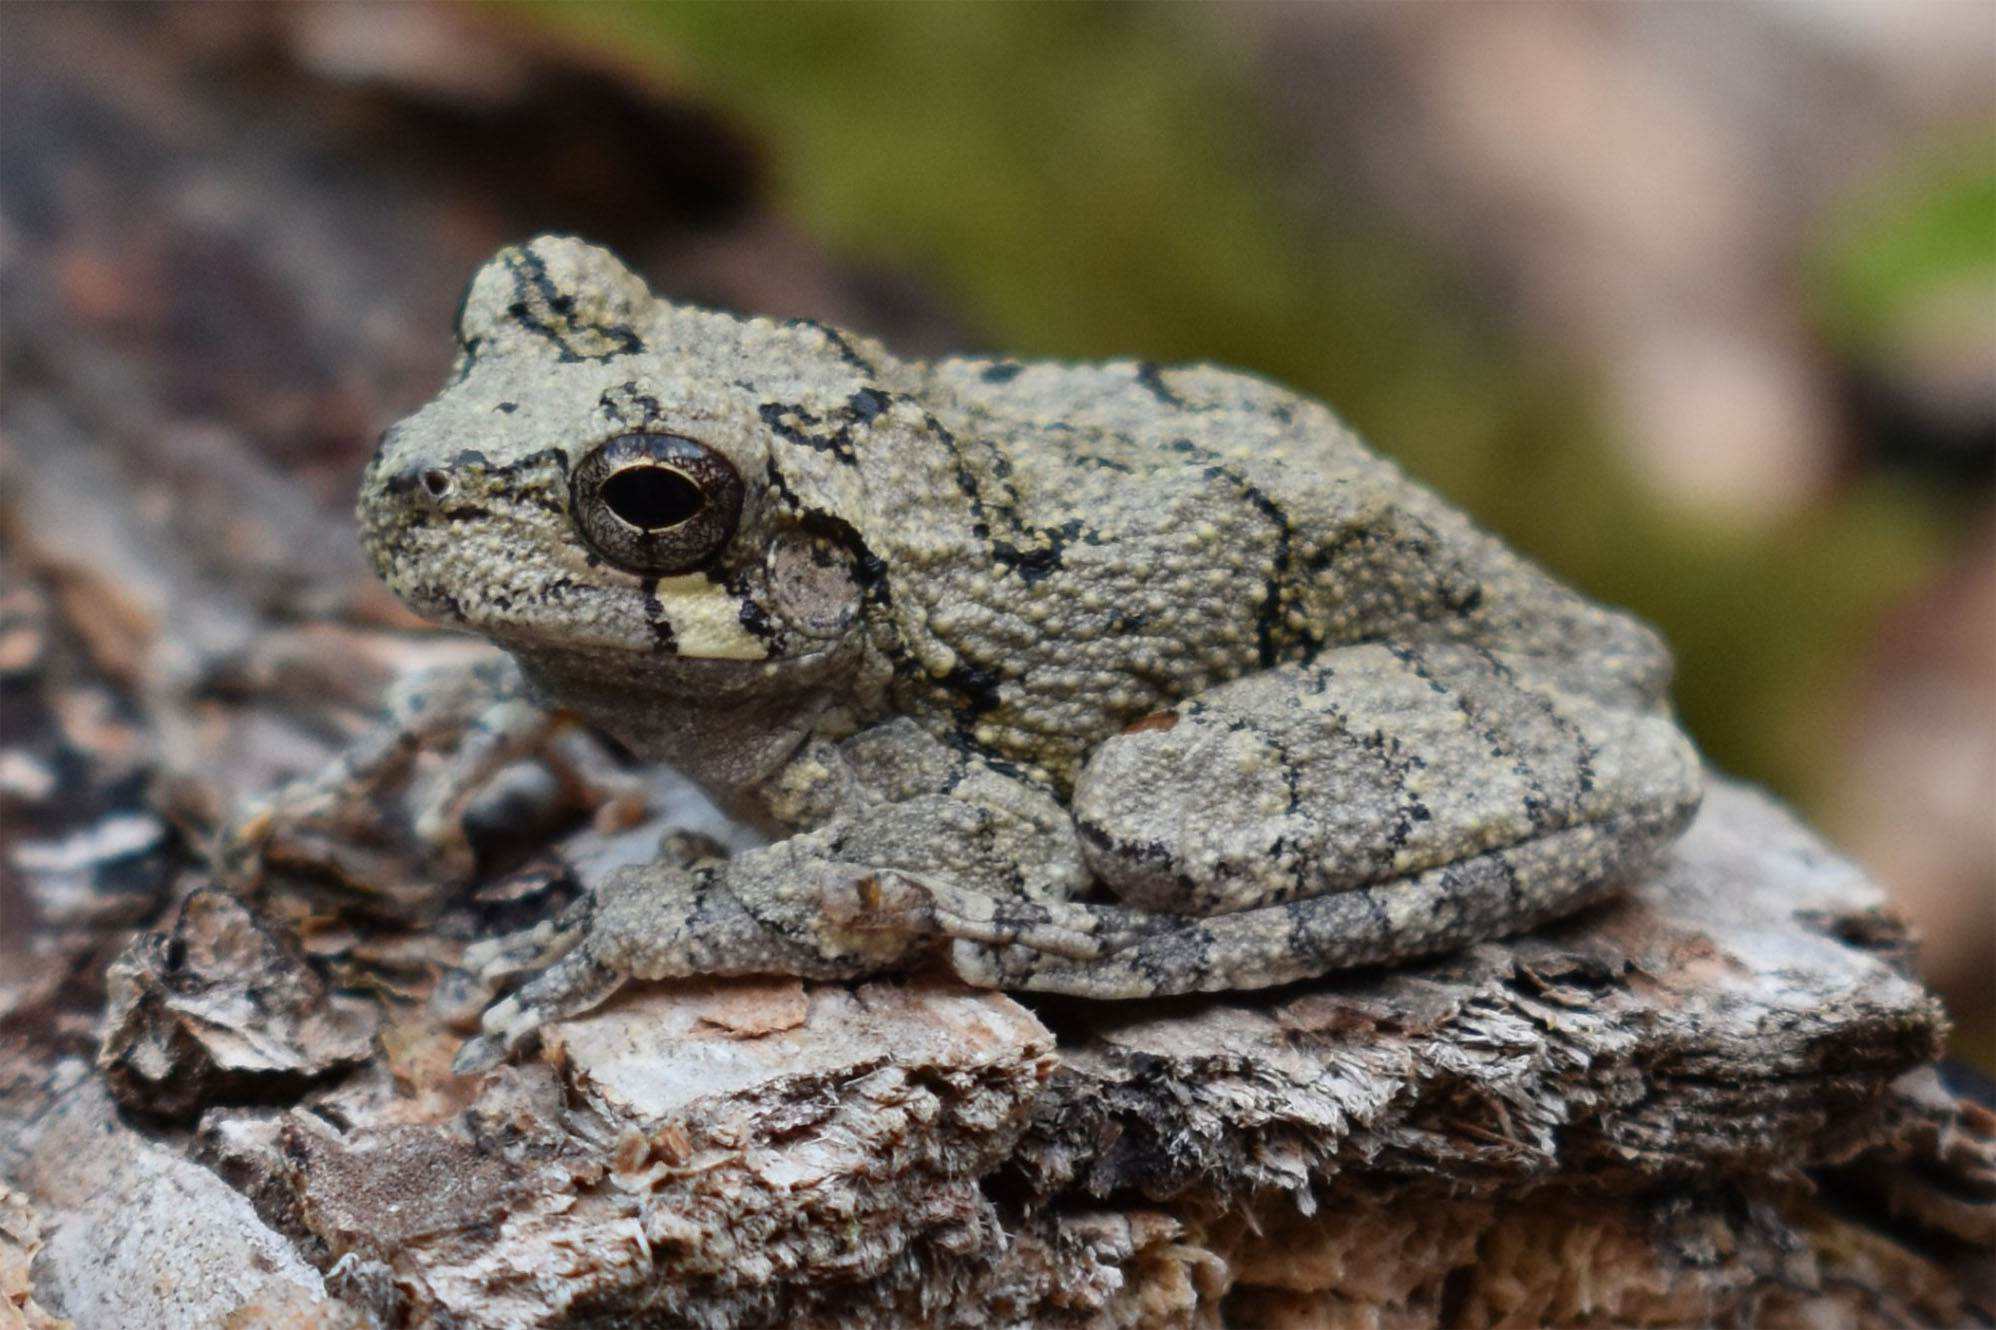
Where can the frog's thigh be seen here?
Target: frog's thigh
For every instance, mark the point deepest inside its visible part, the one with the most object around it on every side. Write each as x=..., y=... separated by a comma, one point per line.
x=1371, y=766
x=1484, y=896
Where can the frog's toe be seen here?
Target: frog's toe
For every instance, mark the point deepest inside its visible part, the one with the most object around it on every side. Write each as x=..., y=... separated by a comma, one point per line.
x=572, y=985
x=499, y=959
x=478, y=1055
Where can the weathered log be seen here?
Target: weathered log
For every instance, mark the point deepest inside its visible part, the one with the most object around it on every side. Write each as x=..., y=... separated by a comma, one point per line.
x=1612, y=1123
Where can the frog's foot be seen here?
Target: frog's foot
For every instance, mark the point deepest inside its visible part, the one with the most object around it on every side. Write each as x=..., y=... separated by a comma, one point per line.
x=1486, y=896
x=570, y=987
x=661, y=921
x=769, y=911
x=500, y=960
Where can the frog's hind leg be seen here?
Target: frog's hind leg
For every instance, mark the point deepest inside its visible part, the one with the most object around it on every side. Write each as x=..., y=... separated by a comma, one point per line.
x=1378, y=802
x=1487, y=895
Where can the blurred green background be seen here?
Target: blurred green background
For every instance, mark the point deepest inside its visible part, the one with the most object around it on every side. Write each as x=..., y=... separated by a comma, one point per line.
x=1462, y=231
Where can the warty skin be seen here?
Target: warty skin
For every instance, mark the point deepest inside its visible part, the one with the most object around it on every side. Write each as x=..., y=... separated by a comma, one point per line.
x=1108, y=679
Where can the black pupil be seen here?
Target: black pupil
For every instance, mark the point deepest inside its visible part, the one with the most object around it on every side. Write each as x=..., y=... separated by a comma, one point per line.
x=652, y=498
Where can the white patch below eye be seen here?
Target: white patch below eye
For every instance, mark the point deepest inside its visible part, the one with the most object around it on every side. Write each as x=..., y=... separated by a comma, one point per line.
x=706, y=621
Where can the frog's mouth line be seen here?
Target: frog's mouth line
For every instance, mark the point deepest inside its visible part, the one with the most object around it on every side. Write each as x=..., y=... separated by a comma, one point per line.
x=685, y=618
x=630, y=674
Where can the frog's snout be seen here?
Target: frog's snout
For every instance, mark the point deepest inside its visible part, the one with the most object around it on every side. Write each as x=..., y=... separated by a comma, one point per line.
x=395, y=502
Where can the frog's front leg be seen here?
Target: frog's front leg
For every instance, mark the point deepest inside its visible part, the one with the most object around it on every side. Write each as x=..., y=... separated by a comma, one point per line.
x=1380, y=803
x=910, y=846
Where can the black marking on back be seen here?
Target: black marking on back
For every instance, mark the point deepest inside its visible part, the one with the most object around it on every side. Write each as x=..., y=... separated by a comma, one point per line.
x=544, y=309
x=966, y=479
x=629, y=405
x=1584, y=752
x=1032, y=563
x=868, y=403
x=1151, y=375
x=1270, y=613
x=976, y=687
x=1538, y=802
x=839, y=342
x=964, y=745
x=1033, y=552
x=792, y=421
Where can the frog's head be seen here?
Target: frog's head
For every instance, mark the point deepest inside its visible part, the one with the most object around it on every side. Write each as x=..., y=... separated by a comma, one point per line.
x=595, y=489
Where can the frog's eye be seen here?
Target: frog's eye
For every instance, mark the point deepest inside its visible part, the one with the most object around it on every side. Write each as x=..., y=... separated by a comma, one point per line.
x=656, y=503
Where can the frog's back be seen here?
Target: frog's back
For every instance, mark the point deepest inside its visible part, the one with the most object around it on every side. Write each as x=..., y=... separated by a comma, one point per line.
x=1148, y=533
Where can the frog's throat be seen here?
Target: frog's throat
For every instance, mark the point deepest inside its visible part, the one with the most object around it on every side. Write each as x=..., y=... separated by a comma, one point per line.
x=724, y=724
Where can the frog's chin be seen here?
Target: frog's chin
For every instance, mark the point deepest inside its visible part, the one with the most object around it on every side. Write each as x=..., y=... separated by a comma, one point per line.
x=724, y=724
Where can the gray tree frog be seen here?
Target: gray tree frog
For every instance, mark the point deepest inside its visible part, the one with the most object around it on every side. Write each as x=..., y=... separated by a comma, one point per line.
x=1113, y=680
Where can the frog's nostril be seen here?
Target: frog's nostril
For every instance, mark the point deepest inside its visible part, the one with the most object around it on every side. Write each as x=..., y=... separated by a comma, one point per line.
x=413, y=487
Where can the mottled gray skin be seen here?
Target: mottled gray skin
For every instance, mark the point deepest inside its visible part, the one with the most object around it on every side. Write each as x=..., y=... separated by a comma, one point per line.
x=1110, y=679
